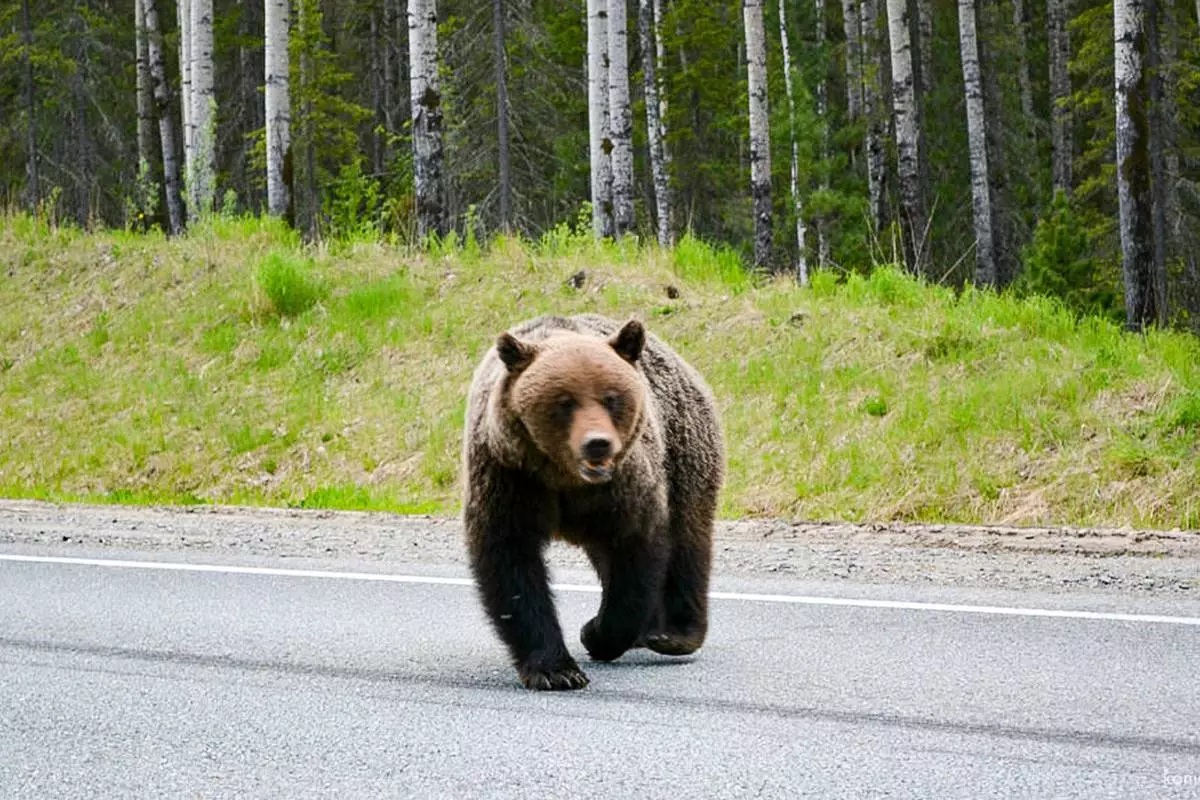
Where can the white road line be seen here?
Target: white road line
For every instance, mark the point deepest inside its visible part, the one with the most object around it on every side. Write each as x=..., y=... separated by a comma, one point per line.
x=790, y=599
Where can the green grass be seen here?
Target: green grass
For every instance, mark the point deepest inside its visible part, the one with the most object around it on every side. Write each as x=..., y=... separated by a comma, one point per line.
x=236, y=366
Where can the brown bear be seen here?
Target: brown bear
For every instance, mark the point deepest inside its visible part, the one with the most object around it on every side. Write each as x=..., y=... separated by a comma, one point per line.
x=597, y=433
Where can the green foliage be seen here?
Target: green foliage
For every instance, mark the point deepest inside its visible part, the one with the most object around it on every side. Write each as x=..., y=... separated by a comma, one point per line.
x=287, y=281
x=566, y=238
x=875, y=406
x=1184, y=414
x=1092, y=107
x=862, y=397
x=707, y=117
x=1060, y=262
x=698, y=261
x=350, y=111
x=354, y=204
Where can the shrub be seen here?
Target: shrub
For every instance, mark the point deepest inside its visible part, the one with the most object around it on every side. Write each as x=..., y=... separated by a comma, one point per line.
x=1060, y=262
x=288, y=284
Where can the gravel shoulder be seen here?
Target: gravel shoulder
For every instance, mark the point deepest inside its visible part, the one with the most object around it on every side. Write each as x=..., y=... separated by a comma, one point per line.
x=1159, y=563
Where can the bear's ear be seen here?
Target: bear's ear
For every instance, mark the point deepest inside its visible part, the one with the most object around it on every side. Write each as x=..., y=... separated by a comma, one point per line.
x=515, y=354
x=628, y=341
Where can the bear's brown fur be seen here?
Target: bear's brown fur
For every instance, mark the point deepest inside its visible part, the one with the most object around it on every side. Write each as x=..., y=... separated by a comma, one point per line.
x=602, y=435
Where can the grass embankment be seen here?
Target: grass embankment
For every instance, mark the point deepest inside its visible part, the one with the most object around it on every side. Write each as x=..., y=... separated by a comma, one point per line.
x=135, y=369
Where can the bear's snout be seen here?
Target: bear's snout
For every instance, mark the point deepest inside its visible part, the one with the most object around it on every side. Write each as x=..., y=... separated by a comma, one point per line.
x=596, y=454
x=597, y=448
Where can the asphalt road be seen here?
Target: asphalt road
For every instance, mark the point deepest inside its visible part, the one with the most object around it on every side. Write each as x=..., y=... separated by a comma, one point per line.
x=126, y=682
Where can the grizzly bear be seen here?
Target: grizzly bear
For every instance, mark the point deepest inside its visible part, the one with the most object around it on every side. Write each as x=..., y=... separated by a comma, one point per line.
x=599, y=434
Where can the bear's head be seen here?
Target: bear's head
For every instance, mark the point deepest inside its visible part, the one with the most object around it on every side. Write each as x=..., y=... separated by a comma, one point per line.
x=580, y=398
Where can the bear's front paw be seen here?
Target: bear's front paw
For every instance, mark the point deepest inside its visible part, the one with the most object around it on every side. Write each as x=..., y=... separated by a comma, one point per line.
x=599, y=647
x=562, y=673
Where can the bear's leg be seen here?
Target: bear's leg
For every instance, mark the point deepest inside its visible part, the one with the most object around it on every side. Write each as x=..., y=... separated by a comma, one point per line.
x=506, y=540
x=684, y=621
x=635, y=568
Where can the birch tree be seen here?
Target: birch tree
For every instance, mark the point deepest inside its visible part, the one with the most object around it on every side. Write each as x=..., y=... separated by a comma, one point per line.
x=166, y=126
x=145, y=117
x=145, y=189
x=620, y=118
x=502, y=138
x=427, y=118
x=183, y=9
x=985, y=263
x=1143, y=304
x=874, y=108
x=797, y=207
x=760, y=134
x=1059, y=45
x=278, y=104
x=599, y=143
x=659, y=61
x=202, y=178
x=650, y=40
x=908, y=138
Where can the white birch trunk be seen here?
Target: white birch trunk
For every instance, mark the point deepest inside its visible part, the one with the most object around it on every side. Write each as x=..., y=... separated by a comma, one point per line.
x=166, y=128
x=1133, y=165
x=427, y=118
x=1059, y=45
x=184, y=10
x=659, y=60
x=599, y=143
x=797, y=206
x=204, y=106
x=908, y=137
x=648, y=34
x=760, y=133
x=853, y=52
x=620, y=117
x=874, y=109
x=145, y=115
x=981, y=203
x=278, y=104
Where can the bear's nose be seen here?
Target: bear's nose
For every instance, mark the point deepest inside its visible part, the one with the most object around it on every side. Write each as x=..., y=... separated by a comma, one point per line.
x=597, y=448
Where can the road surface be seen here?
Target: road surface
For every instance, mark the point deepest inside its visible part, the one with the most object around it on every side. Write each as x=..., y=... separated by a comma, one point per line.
x=259, y=677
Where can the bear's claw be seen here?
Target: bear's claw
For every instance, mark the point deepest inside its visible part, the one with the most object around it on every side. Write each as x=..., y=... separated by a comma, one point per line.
x=567, y=676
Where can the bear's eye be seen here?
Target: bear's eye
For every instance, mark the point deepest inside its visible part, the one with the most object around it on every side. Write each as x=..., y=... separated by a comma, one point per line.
x=563, y=407
x=613, y=404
